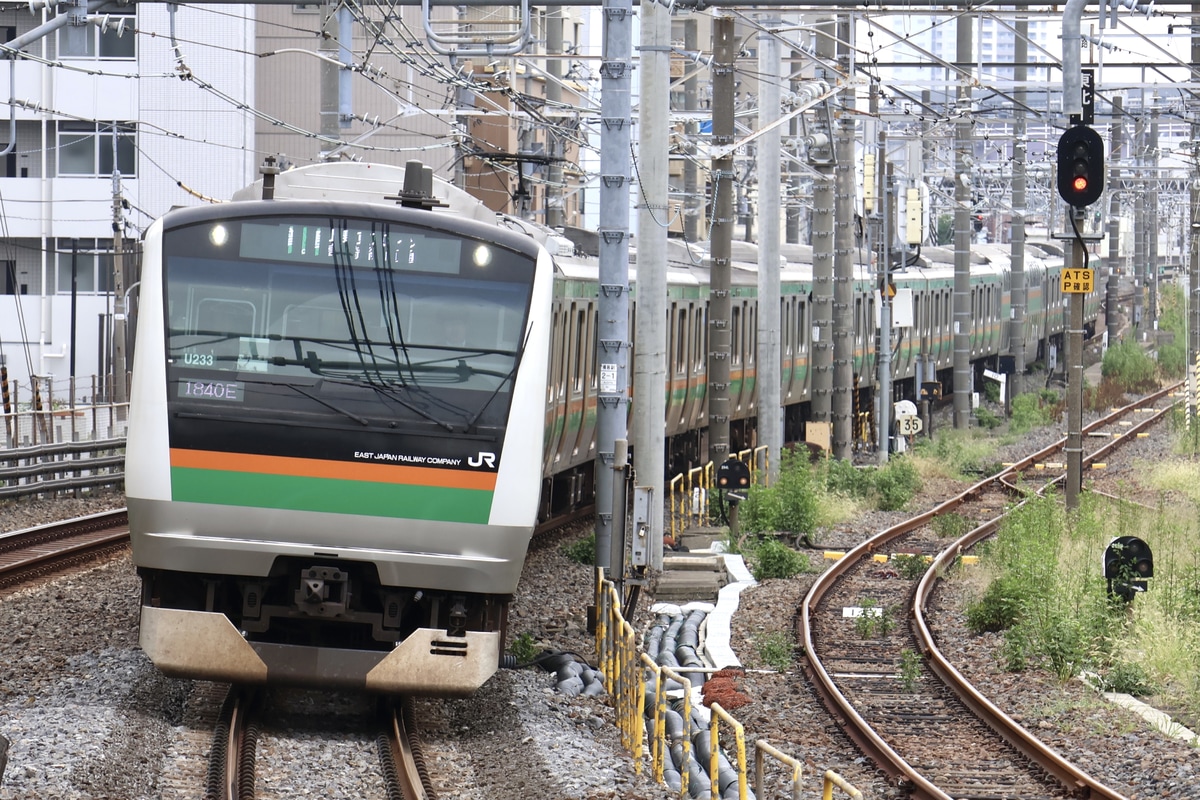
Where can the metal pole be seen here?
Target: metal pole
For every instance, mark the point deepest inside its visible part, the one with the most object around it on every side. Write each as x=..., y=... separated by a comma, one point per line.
x=1016, y=335
x=1074, y=448
x=555, y=211
x=843, y=261
x=650, y=360
x=963, y=146
x=820, y=153
x=1114, y=222
x=613, y=306
x=719, y=305
x=770, y=400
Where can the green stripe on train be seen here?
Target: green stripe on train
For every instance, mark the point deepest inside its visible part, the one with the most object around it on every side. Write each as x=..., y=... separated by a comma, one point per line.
x=361, y=498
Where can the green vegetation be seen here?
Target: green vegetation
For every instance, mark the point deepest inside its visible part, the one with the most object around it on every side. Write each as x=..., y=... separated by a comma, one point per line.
x=775, y=650
x=1034, y=410
x=873, y=621
x=910, y=566
x=807, y=496
x=523, y=648
x=1128, y=366
x=910, y=670
x=774, y=559
x=950, y=526
x=1045, y=592
x=955, y=454
x=582, y=551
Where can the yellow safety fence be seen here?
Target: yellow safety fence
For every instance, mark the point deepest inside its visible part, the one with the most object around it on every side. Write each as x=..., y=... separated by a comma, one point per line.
x=689, y=491
x=627, y=669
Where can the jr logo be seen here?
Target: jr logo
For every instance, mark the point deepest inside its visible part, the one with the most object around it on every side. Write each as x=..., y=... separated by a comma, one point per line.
x=483, y=458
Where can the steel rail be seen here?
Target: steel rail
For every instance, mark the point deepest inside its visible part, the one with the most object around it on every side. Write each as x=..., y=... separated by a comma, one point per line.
x=859, y=731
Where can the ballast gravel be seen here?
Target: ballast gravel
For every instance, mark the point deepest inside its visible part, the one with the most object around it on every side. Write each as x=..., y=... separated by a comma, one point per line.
x=88, y=717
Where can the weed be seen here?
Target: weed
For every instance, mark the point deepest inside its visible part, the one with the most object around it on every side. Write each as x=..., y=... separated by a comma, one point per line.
x=775, y=650
x=774, y=559
x=896, y=484
x=987, y=419
x=910, y=670
x=874, y=620
x=523, y=648
x=950, y=526
x=582, y=551
x=910, y=566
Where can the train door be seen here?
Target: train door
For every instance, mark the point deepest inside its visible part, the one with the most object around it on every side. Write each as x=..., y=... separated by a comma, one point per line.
x=556, y=389
x=695, y=403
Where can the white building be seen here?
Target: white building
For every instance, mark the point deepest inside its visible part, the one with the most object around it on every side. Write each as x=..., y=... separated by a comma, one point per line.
x=84, y=98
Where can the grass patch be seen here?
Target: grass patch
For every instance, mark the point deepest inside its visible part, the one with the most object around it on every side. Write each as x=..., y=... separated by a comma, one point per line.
x=1045, y=591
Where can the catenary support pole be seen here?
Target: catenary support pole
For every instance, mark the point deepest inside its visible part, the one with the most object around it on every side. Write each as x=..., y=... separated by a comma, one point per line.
x=653, y=217
x=770, y=403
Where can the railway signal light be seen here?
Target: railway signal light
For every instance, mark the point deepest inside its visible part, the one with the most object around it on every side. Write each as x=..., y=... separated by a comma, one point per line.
x=1127, y=563
x=733, y=476
x=1080, y=166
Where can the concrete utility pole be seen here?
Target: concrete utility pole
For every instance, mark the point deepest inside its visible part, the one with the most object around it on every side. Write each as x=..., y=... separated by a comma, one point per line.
x=1114, y=220
x=1151, y=194
x=120, y=390
x=843, y=260
x=820, y=153
x=1016, y=336
x=612, y=320
x=721, y=246
x=1193, y=238
x=693, y=197
x=770, y=402
x=963, y=155
x=793, y=208
x=1139, y=227
x=650, y=360
x=555, y=216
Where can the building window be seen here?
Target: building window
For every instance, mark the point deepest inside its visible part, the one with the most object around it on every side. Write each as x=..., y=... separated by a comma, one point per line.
x=86, y=148
x=93, y=265
x=100, y=41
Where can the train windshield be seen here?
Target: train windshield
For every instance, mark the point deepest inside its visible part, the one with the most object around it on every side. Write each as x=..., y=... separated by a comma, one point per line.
x=333, y=306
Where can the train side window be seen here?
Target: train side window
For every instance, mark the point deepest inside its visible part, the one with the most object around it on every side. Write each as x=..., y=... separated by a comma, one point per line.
x=860, y=321
x=802, y=333
x=785, y=319
x=681, y=340
x=579, y=336
x=735, y=337
x=564, y=366
x=700, y=332
x=752, y=333
x=593, y=361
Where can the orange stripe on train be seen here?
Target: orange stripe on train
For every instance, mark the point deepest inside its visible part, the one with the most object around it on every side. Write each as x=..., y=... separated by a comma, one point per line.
x=343, y=470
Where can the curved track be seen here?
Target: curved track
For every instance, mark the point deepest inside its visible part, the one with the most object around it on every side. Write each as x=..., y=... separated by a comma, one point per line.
x=877, y=669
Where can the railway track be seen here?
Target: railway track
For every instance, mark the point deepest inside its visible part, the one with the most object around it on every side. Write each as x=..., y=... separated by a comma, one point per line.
x=876, y=667
x=29, y=553
x=245, y=722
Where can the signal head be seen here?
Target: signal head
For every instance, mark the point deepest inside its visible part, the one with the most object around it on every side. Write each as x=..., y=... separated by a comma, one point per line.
x=1080, y=166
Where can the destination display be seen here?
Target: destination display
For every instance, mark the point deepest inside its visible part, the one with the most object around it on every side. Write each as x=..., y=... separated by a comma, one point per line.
x=387, y=247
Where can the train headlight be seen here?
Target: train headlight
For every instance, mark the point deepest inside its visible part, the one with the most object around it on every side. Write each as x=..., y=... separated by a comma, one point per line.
x=219, y=235
x=482, y=255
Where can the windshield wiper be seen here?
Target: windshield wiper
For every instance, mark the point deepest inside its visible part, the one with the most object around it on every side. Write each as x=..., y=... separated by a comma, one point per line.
x=386, y=392
x=360, y=420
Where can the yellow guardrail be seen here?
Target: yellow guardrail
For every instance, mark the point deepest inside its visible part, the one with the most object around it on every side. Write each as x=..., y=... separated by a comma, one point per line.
x=689, y=491
x=714, y=733
x=621, y=662
x=832, y=779
x=761, y=751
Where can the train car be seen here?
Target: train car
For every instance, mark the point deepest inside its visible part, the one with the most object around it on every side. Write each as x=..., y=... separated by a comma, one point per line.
x=334, y=421
x=348, y=414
